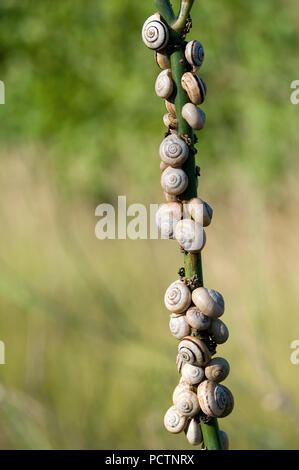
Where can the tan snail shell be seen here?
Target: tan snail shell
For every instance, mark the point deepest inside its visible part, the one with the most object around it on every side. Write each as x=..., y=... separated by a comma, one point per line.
x=194, y=53
x=215, y=399
x=155, y=34
x=218, y=331
x=224, y=440
x=192, y=374
x=200, y=211
x=169, y=197
x=177, y=297
x=209, y=301
x=167, y=217
x=174, y=180
x=192, y=350
x=217, y=369
x=179, y=327
x=164, y=84
x=190, y=235
x=170, y=106
x=174, y=151
x=187, y=403
x=195, y=87
x=197, y=319
x=174, y=421
x=181, y=387
x=170, y=121
x=194, y=116
x=193, y=433
x=162, y=60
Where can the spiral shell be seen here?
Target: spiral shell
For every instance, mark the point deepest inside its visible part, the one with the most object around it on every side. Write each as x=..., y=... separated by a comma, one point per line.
x=174, y=421
x=197, y=319
x=217, y=369
x=170, y=106
x=194, y=116
x=190, y=235
x=215, y=399
x=209, y=301
x=192, y=350
x=187, y=404
x=174, y=180
x=200, y=211
x=177, y=297
x=167, y=217
x=193, y=433
x=224, y=440
x=194, y=53
x=218, y=331
x=170, y=121
x=195, y=87
x=162, y=60
x=229, y=405
x=164, y=84
x=181, y=387
x=174, y=151
x=192, y=374
x=155, y=34
x=179, y=327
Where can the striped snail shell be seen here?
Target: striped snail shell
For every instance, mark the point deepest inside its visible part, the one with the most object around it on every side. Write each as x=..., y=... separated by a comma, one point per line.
x=193, y=433
x=174, y=180
x=229, y=406
x=174, y=151
x=192, y=350
x=162, y=60
x=177, y=297
x=170, y=121
x=155, y=34
x=181, y=387
x=187, y=403
x=218, y=331
x=215, y=399
x=194, y=53
x=190, y=235
x=164, y=84
x=192, y=374
x=197, y=319
x=170, y=106
x=179, y=327
x=200, y=211
x=174, y=421
x=195, y=87
x=224, y=440
x=194, y=116
x=217, y=369
x=167, y=217
x=169, y=197
x=209, y=301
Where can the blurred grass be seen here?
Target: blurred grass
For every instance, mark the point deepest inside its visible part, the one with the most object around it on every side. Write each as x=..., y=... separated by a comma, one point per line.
x=90, y=361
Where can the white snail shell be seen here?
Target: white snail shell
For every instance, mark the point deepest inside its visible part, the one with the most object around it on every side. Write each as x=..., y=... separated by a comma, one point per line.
x=200, y=211
x=167, y=217
x=197, y=319
x=193, y=433
x=174, y=180
x=174, y=421
x=163, y=60
x=209, y=301
x=192, y=350
x=218, y=331
x=170, y=106
x=194, y=116
x=190, y=235
x=195, y=87
x=224, y=440
x=217, y=369
x=215, y=399
x=181, y=387
x=179, y=327
x=155, y=34
x=170, y=121
x=174, y=151
x=177, y=297
x=194, y=53
x=187, y=403
x=192, y=374
x=169, y=197
x=164, y=84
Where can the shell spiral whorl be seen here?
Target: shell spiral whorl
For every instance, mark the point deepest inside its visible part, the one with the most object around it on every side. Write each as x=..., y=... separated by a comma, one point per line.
x=174, y=180
x=174, y=151
x=177, y=297
x=155, y=33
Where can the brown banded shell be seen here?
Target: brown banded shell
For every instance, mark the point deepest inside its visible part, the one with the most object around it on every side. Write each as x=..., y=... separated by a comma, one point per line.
x=192, y=374
x=229, y=405
x=218, y=331
x=199, y=210
x=181, y=387
x=177, y=297
x=174, y=421
x=209, y=301
x=155, y=34
x=170, y=121
x=162, y=60
x=174, y=151
x=164, y=84
x=193, y=433
x=195, y=87
x=174, y=180
x=187, y=404
x=215, y=399
x=194, y=53
x=190, y=235
x=179, y=327
x=170, y=106
x=194, y=116
x=217, y=369
x=192, y=350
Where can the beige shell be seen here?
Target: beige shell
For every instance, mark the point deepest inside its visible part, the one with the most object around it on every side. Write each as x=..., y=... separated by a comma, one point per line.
x=195, y=87
x=174, y=151
x=164, y=84
x=174, y=180
x=217, y=369
x=170, y=106
x=170, y=121
x=167, y=217
x=215, y=399
x=174, y=421
x=187, y=403
x=224, y=440
x=218, y=331
x=192, y=350
x=194, y=53
x=163, y=60
x=199, y=210
x=209, y=301
x=197, y=319
x=190, y=235
x=155, y=34
x=179, y=327
x=194, y=116
x=163, y=166
x=177, y=297
x=192, y=374
x=193, y=433
x=181, y=387
x=170, y=197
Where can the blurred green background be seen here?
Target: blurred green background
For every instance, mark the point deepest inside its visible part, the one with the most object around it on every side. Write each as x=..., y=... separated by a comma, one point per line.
x=90, y=360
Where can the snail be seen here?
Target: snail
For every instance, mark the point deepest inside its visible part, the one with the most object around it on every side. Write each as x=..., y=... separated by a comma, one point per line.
x=229, y=405
x=162, y=60
x=192, y=350
x=224, y=440
x=174, y=421
x=181, y=387
x=163, y=166
x=194, y=116
x=169, y=197
x=194, y=53
x=192, y=374
x=187, y=403
x=209, y=301
x=170, y=106
x=167, y=217
x=193, y=433
x=215, y=399
x=197, y=319
x=179, y=327
x=164, y=84
x=199, y=210
x=218, y=331
x=174, y=180
x=195, y=87
x=177, y=297
x=170, y=121
x=190, y=235
x=174, y=151
x=155, y=34
x=217, y=369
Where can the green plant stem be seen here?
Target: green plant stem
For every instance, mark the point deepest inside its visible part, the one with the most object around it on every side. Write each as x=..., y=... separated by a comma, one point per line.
x=180, y=22
x=165, y=9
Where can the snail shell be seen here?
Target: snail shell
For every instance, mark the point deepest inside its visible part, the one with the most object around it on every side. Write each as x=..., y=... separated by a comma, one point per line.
x=195, y=87
x=192, y=350
x=167, y=217
x=194, y=116
x=197, y=319
x=181, y=387
x=217, y=369
x=179, y=327
x=218, y=331
x=169, y=197
x=174, y=151
x=200, y=211
x=170, y=106
x=215, y=399
x=209, y=301
x=193, y=433
x=163, y=60
x=174, y=421
x=163, y=166
x=187, y=403
x=174, y=180
x=224, y=440
x=194, y=53
x=192, y=374
x=190, y=235
x=177, y=297
x=164, y=84
x=155, y=34
x=229, y=406
x=170, y=121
